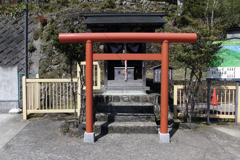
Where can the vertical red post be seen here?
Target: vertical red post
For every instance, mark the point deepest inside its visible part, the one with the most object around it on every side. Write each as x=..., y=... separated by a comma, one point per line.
x=89, y=86
x=164, y=87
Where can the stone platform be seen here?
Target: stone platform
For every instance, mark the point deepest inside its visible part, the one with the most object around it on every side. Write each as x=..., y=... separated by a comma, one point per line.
x=126, y=113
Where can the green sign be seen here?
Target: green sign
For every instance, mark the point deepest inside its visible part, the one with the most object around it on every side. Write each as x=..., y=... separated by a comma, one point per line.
x=229, y=54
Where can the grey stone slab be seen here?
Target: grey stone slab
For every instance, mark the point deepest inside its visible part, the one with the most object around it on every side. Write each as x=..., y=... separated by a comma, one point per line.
x=7, y=62
x=1, y=27
x=20, y=31
x=16, y=26
x=125, y=117
x=3, y=31
x=125, y=127
x=9, y=40
x=125, y=104
x=5, y=36
x=8, y=50
x=21, y=44
x=120, y=107
x=13, y=45
x=2, y=40
x=18, y=40
x=12, y=31
x=1, y=49
x=15, y=61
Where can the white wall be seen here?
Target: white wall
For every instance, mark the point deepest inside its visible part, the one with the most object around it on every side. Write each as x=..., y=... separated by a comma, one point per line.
x=8, y=88
x=233, y=34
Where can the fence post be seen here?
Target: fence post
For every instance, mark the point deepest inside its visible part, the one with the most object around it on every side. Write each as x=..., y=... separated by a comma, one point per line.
x=175, y=102
x=37, y=93
x=237, y=108
x=24, y=98
x=78, y=91
x=98, y=76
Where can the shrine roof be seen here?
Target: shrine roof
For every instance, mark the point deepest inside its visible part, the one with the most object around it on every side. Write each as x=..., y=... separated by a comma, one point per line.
x=125, y=18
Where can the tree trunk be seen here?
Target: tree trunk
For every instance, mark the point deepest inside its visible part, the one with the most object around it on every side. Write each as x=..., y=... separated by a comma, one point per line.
x=206, y=15
x=212, y=18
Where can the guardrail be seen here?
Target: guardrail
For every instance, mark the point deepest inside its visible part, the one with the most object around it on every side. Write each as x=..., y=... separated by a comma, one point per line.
x=225, y=98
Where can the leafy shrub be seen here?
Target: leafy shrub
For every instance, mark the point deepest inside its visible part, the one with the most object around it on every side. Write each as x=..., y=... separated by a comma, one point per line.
x=36, y=35
x=50, y=31
x=12, y=9
x=85, y=5
x=75, y=2
x=42, y=20
x=62, y=2
x=109, y=4
x=31, y=48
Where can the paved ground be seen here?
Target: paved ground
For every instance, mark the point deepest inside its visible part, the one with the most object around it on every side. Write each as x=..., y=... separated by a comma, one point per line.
x=10, y=126
x=42, y=140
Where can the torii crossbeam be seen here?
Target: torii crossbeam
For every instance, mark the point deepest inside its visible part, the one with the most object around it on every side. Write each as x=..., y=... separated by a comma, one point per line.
x=164, y=38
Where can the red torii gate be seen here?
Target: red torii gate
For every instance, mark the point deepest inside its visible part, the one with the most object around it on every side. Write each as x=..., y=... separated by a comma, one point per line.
x=164, y=38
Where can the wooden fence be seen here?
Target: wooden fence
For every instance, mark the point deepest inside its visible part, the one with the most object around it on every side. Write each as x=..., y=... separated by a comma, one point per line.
x=225, y=98
x=55, y=95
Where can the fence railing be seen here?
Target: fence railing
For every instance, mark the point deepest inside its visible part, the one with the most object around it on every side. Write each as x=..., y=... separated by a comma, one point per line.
x=225, y=108
x=56, y=95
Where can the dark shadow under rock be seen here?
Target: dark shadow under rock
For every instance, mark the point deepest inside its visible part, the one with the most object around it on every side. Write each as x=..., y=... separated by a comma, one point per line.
x=188, y=126
x=193, y=126
x=55, y=116
x=64, y=128
x=79, y=133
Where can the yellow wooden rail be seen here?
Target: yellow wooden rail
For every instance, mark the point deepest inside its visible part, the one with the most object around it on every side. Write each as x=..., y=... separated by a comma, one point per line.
x=55, y=95
x=225, y=97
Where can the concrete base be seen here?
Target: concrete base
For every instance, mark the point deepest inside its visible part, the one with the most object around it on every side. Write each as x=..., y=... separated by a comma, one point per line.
x=124, y=92
x=163, y=137
x=5, y=106
x=89, y=137
x=15, y=111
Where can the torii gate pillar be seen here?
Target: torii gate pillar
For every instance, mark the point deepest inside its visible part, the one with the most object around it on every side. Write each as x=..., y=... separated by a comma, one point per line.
x=89, y=136
x=163, y=135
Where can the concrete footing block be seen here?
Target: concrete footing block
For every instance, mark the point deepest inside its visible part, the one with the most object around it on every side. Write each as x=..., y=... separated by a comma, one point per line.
x=163, y=137
x=15, y=111
x=89, y=137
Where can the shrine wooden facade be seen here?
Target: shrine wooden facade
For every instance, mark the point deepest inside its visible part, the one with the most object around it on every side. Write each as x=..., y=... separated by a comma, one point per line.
x=114, y=69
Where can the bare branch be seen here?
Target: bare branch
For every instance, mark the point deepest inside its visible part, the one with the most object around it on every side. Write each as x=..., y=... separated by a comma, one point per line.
x=213, y=10
x=206, y=14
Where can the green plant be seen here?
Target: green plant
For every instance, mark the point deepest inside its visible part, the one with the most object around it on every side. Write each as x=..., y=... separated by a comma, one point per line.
x=62, y=2
x=109, y=4
x=139, y=5
x=42, y=20
x=85, y=5
x=51, y=21
x=12, y=9
x=75, y=2
x=50, y=31
x=36, y=35
x=31, y=48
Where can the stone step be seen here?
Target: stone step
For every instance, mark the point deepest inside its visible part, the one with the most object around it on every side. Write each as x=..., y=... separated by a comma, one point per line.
x=125, y=117
x=120, y=107
x=125, y=127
